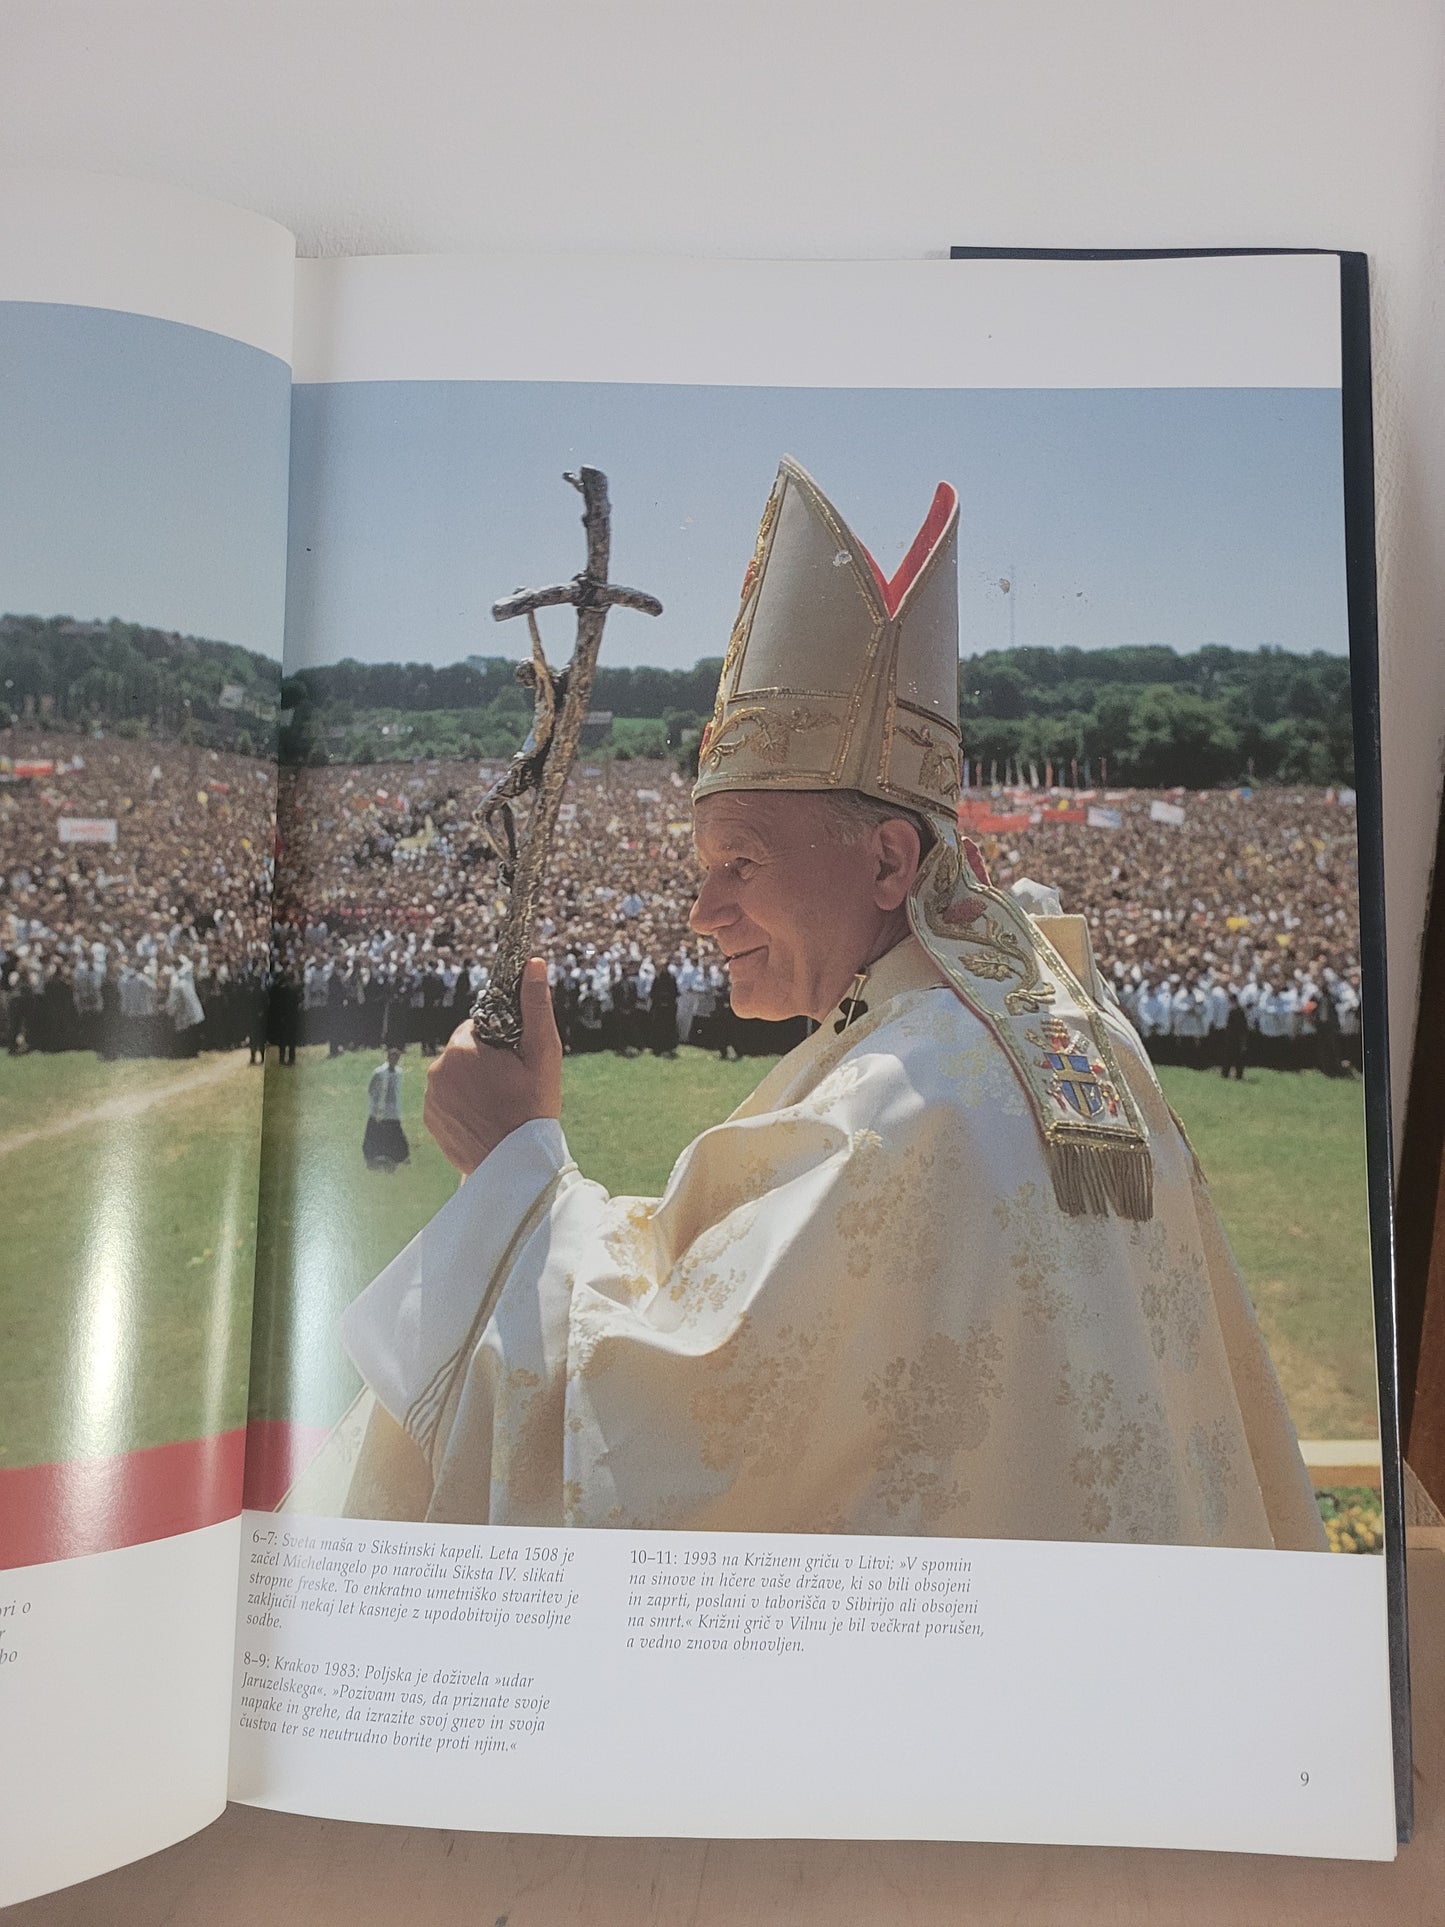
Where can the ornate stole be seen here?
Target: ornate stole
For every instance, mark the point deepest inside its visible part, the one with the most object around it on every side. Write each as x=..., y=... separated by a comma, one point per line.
x=1000, y=964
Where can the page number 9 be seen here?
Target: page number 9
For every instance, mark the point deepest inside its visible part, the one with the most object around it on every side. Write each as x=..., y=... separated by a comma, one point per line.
x=1304, y=1779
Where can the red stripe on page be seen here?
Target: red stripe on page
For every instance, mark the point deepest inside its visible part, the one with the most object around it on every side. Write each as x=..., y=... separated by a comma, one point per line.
x=96, y=1505
x=277, y=1452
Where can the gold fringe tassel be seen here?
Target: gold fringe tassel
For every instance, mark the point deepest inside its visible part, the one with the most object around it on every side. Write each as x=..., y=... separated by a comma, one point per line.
x=1090, y=1177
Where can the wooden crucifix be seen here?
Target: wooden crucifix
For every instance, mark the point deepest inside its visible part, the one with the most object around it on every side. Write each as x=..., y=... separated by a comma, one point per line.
x=541, y=767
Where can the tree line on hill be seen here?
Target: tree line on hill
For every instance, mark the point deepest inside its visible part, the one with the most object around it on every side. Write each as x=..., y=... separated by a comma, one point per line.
x=57, y=673
x=1146, y=716
x=1154, y=717
x=1150, y=717
x=354, y=712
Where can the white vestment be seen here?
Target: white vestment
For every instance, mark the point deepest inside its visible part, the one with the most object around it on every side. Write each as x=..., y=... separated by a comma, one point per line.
x=857, y=1307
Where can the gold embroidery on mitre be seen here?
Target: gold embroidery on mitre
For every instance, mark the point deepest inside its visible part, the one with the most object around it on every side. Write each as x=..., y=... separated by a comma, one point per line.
x=752, y=575
x=818, y=624
x=770, y=732
x=1005, y=970
x=939, y=769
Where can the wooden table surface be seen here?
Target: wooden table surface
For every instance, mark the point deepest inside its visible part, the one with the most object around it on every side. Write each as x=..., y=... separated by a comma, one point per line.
x=256, y=1869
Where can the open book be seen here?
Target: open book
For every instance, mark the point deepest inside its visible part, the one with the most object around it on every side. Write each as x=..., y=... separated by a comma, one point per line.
x=903, y=1347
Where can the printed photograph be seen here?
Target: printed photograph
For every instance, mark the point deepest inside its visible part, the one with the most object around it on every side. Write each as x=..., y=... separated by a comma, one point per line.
x=142, y=531
x=938, y=1106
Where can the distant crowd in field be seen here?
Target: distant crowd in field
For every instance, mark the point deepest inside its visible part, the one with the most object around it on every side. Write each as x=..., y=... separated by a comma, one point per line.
x=155, y=943
x=388, y=906
x=1230, y=937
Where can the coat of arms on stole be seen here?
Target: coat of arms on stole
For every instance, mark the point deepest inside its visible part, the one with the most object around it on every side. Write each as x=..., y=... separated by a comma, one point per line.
x=1080, y=1082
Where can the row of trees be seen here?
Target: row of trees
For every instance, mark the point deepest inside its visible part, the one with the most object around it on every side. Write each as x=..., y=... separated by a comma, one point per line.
x=351, y=712
x=137, y=681
x=1155, y=718
x=489, y=682
x=1152, y=716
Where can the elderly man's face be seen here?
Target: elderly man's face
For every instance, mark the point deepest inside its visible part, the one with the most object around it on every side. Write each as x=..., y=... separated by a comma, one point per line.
x=795, y=912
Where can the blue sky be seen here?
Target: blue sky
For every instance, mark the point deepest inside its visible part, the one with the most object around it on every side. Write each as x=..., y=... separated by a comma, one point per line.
x=1178, y=516
x=144, y=473
x=144, y=477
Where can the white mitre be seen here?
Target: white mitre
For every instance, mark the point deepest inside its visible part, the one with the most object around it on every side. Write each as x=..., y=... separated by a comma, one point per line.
x=838, y=677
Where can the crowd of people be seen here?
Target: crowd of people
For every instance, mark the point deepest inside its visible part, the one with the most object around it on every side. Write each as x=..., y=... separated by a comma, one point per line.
x=155, y=943
x=1230, y=937
x=388, y=907
x=370, y=920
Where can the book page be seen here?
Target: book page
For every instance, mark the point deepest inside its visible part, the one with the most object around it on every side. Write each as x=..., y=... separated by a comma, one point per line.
x=892, y=1355
x=145, y=339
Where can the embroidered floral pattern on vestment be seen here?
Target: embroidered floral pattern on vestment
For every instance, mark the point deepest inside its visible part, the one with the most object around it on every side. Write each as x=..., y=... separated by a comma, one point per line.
x=929, y=1409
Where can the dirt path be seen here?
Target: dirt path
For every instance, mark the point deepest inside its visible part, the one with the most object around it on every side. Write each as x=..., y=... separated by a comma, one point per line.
x=116, y=1110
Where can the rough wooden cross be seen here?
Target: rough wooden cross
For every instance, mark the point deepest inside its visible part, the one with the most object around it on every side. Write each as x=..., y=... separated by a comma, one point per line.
x=497, y=1013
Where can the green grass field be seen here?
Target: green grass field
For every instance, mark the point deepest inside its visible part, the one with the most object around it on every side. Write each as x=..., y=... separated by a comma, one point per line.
x=41, y=1090
x=130, y=1244
x=133, y=1239
x=1285, y=1155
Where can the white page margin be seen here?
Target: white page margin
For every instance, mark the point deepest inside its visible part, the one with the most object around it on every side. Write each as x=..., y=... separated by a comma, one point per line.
x=97, y=241
x=1118, y=1695
x=1238, y=321
x=115, y=1710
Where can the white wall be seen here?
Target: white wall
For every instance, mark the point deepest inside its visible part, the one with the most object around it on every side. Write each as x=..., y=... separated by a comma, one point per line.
x=790, y=127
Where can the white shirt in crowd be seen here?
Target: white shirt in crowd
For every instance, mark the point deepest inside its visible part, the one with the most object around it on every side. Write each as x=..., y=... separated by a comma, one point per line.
x=383, y=1092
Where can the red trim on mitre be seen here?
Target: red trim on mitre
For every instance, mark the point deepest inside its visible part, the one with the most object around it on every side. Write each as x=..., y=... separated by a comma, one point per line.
x=945, y=501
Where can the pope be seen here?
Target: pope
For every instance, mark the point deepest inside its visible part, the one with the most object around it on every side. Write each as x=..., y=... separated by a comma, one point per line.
x=951, y=1269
